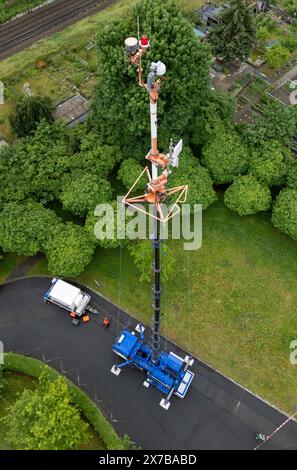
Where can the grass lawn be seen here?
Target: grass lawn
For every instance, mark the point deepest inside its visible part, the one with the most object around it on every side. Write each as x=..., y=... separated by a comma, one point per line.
x=16, y=383
x=9, y=11
x=233, y=302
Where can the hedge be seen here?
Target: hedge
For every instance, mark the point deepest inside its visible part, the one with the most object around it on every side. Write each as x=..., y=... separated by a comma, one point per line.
x=34, y=367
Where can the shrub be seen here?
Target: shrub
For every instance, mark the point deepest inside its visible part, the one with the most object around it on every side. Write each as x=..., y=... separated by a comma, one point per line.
x=247, y=196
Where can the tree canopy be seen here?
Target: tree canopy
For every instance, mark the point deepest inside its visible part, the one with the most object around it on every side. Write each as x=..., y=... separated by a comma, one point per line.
x=83, y=194
x=128, y=173
x=233, y=37
x=276, y=122
x=46, y=418
x=247, y=195
x=269, y=163
x=292, y=175
x=102, y=227
x=224, y=154
x=197, y=177
x=120, y=106
x=69, y=250
x=284, y=214
x=25, y=227
x=29, y=111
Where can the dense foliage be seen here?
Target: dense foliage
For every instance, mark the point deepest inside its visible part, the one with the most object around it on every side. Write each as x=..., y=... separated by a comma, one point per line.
x=84, y=193
x=247, y=195
x=29, y=111
x=292, y=175
x=120, y=105
x=277, y=56
x=276, y=122
x=224, y=154
x=129, y=172
x=25, y=227
x=46, y=418
x=197, y=178
x=69, y=251
x=233, y=37
x=269, y=163
x=284, y=215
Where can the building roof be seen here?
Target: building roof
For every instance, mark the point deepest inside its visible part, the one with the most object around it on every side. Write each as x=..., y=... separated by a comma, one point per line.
x=73, y=110
x=210, y=11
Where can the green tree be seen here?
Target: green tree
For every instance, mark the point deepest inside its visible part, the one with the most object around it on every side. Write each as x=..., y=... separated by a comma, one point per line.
x=197, y=178
x=34, y=167
x=219, y=106
x=69, y=250
x=46, y=418
x=284, y=214
x=292, y=175
x=83, y=194
x=107, y=224
x=142, y=255
x=95, y=157
x=247, y=195
x=277, y=56
x=276, y=122
x=26, y=227
x=120, y=106
x=128, y=173
x=269, y=164
x=29, y=111
x=224, y=155
x=233, y=38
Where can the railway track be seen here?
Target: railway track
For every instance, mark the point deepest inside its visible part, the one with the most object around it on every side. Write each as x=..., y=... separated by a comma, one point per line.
x=25, y=30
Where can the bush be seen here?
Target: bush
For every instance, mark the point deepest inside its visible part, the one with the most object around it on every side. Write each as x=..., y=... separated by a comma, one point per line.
x=69, y=251
x=128, y=173
x=103, y=227
x=45, y=419
x=224, y=155
x=83, y=194
x=269, y=163
x=247, y=196
x=197, y=177
x=25, y=227
x=277, y=56
x=292, y=176
x=284, y=215
x=34, y=368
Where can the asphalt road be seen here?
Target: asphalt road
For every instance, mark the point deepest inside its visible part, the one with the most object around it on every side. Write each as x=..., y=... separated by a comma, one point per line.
x=216, y=413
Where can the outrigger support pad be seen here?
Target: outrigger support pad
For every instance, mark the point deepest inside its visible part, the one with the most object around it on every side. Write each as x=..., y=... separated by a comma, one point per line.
x=115, y=370
x=165, y=404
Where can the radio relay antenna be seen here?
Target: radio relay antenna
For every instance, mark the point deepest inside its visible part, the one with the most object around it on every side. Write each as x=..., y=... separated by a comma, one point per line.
x=166, y=371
